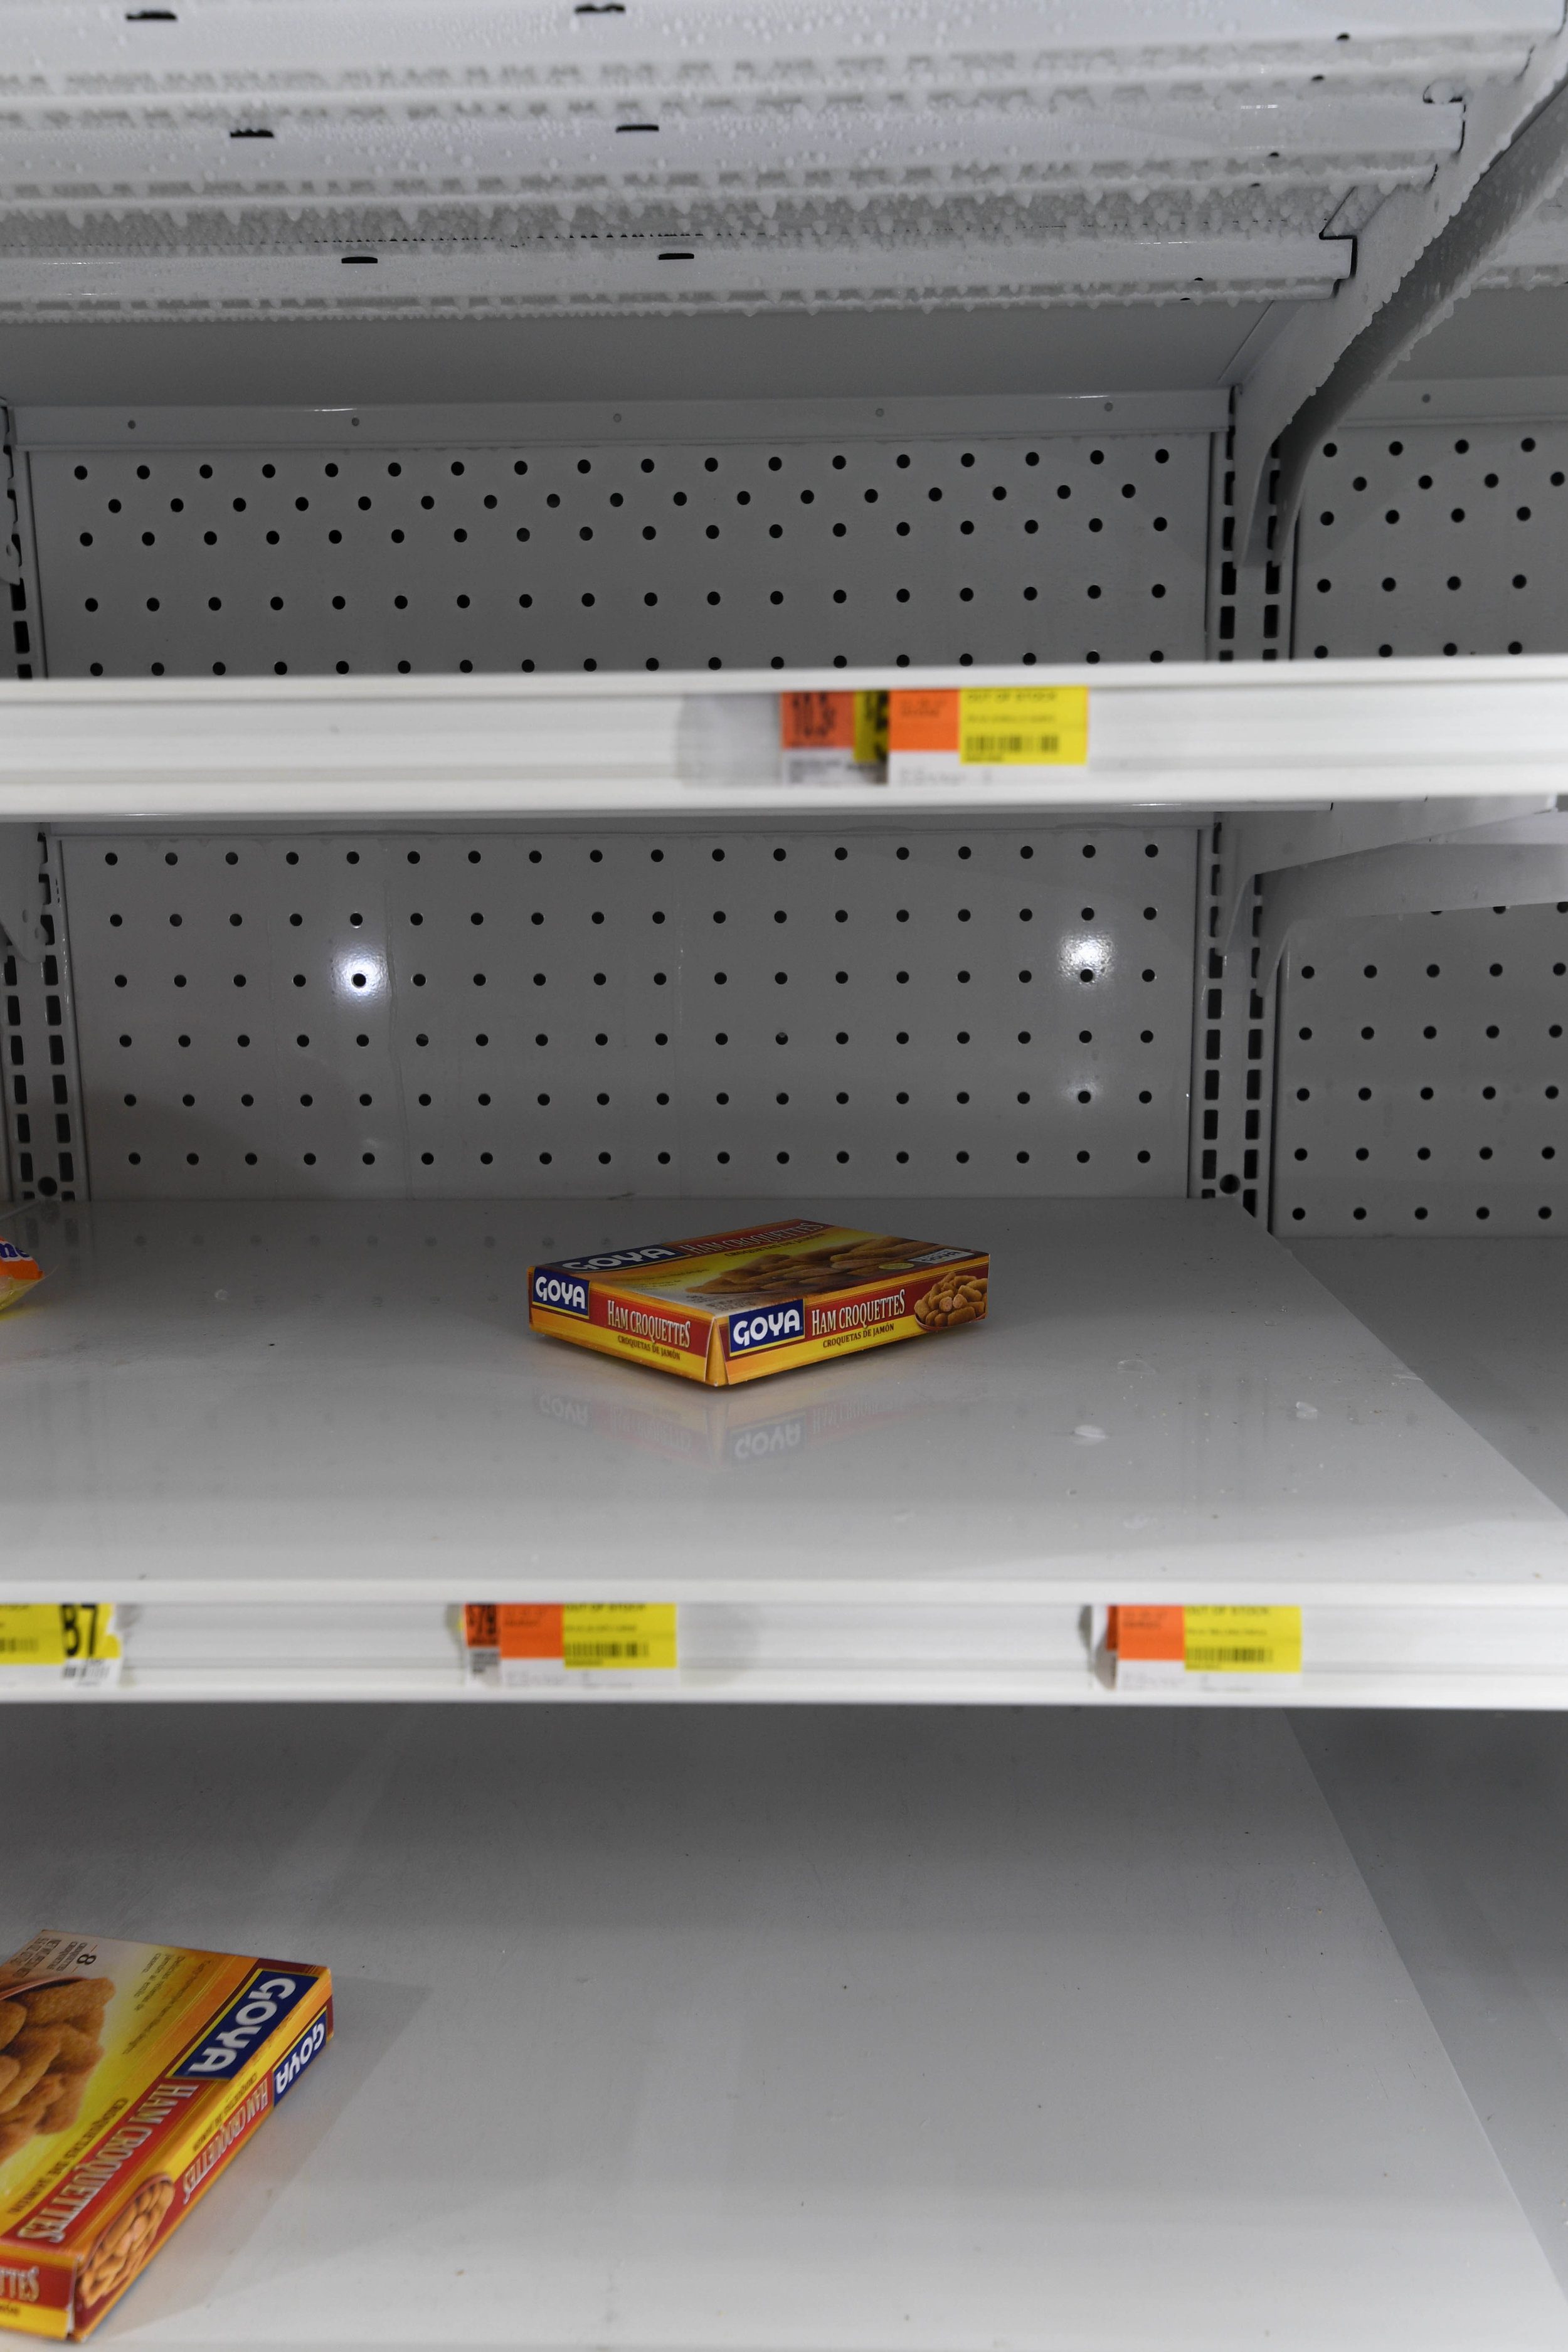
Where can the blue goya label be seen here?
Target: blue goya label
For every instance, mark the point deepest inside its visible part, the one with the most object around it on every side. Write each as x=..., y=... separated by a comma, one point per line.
x=562, y=1291
x=252, y=2016
x=293, y=2062
x=755, y=1328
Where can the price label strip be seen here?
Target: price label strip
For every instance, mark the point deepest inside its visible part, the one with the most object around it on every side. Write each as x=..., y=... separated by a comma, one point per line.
x=1163, y=1649
x=69, y=1642
x=521, y=1645
x=984, y=733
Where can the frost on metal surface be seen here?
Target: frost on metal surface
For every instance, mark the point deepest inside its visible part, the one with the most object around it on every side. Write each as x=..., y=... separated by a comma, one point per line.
x=263, y=155
x=470, y=1014
x=1537, y=252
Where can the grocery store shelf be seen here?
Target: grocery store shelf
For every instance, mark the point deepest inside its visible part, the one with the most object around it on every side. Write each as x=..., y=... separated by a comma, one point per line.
x=293, y=1437
x=825, y=2029
x=1481, y=1320
x=1187, y=735
x=1446, y=1817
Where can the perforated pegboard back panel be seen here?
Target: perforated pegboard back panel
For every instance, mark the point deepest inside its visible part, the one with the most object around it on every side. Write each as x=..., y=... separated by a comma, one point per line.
x=1419, y=1083
x=1434, y=539
x=350, y=1016
x=191, y=562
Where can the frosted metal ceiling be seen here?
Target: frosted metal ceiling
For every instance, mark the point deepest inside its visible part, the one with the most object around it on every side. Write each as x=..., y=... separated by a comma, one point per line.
x=221, y=157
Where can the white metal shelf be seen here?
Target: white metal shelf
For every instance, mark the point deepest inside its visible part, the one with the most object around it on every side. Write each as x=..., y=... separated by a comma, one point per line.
x=1191, y=736
x=293, y=1437
x=1481, y=1319
x=832, y=2030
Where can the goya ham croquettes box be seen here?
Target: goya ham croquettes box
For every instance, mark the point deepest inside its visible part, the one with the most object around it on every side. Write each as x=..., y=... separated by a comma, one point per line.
x=131, y=2075
x=734, y=1307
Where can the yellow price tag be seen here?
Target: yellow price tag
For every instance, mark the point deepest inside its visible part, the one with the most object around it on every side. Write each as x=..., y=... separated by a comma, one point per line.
x=1156, y=1646
x=1023, y=725
x=870, y=730
x=610, y=1634
x=68, y=1641
x=1242, y=1641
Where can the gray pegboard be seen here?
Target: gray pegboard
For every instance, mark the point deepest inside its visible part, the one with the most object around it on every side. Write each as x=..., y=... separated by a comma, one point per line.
x=1434, y=539
x=1421, y=1074
x=350, y=1016
x=192, y=562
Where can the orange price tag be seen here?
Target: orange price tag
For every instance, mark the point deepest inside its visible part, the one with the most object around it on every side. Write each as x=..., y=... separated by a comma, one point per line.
x=513, y=1629
x=816, y=722
x=1151, y=1633
x=923, y=722
x=519, y=1645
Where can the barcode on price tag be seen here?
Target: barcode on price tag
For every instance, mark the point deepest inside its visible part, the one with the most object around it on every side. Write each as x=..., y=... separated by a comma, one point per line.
x=945, y=734
x=515, y=1645
x=1023, y=725
x=1161, y=1648
x=70, y=1641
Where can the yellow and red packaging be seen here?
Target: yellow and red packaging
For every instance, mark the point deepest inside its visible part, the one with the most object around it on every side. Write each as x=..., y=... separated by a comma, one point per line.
x=18, y=1273
x=133, y=2073
x=727, y=1308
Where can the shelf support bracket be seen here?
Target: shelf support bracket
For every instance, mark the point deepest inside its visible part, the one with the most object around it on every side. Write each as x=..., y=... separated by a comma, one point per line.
x=1426, y=877
x=1423, y=250
x=1269, y=843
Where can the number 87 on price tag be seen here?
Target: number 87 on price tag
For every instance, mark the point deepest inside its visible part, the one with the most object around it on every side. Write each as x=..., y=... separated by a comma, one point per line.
x=46, y=1644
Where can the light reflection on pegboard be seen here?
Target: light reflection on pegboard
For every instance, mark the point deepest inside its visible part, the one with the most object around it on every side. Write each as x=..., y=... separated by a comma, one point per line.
x=1422, y=1063
x=188, y=563
x=350, y=1015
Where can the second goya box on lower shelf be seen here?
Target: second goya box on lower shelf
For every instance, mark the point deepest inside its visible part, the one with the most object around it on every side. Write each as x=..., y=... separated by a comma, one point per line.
x=131, y=2075
x=734, y=1307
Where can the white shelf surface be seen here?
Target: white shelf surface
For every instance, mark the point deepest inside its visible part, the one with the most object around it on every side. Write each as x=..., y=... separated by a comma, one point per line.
x=704, y=748
x=293, y=1437
x=825, y=2029
x=1484, y=1321
x=1448, y=1817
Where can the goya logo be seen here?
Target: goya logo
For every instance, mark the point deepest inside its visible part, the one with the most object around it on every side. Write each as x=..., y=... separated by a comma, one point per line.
x=653, y=1255
x=566, y=1293
x=766, y=1326
x=290, y=2068
x=253, y=2014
